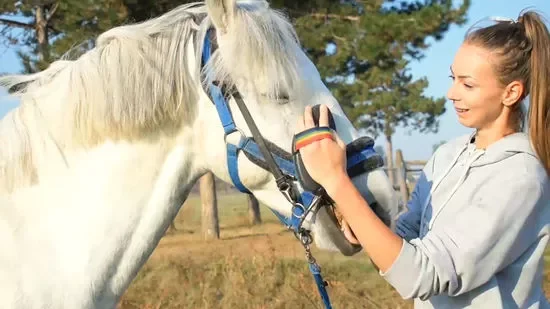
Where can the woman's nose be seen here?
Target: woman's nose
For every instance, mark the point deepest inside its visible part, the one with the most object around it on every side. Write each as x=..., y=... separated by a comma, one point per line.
x=452, y=93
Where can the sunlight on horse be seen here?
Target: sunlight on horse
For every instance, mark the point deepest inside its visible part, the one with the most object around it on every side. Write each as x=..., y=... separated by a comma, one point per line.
x=104, y=149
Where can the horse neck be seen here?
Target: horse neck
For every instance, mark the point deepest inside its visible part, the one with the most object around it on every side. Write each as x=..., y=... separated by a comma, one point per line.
x=91, y=221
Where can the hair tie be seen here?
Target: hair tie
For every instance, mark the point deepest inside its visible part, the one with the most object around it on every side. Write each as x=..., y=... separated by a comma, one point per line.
x=503, y=19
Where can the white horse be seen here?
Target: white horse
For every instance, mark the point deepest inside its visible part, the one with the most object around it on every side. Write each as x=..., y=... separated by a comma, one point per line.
x=103, y=150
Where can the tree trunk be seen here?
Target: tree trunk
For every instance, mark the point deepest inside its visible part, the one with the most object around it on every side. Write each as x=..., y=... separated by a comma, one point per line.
x=402, y=176
x=209, y=214
x=389, y=159
x=41, y=27
x=254, y=215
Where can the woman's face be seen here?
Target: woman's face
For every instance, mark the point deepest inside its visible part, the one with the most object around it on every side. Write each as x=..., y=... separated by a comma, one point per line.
x=475, y=91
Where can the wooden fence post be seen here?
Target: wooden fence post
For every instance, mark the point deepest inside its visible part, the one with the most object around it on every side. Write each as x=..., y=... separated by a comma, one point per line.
x=209, y=205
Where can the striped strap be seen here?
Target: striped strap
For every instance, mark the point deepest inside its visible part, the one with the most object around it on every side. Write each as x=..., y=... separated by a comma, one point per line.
x=311, y=135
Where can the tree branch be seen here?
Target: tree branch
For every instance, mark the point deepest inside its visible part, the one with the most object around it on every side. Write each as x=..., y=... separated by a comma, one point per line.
x=14, y=23
x=344, y=17
x=52, y=11
x=340, y=38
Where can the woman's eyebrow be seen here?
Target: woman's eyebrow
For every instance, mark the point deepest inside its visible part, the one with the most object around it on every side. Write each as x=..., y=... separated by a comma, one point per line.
x=461, y=76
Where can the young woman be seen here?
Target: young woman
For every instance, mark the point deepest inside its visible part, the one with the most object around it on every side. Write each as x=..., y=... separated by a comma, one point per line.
x=476, y=227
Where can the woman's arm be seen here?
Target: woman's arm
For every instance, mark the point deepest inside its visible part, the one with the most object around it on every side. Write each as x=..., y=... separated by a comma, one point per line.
x=407, y=225
x=454, y=257
x=378, y=241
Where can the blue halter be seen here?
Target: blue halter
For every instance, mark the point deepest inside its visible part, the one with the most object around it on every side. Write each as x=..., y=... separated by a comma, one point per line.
x=284, y=163
x=277, y=161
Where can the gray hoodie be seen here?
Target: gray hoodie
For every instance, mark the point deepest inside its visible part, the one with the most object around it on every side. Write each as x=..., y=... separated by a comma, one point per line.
x=476, y=228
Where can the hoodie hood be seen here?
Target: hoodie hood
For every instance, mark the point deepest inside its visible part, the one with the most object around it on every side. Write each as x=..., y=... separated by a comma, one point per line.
x=502, y=149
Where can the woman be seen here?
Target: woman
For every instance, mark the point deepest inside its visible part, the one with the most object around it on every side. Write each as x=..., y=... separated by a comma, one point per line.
x=477, y=224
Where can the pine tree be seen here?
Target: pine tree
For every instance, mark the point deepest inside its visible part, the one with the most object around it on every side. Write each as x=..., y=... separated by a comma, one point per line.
x=363, y=49
x=44, y=30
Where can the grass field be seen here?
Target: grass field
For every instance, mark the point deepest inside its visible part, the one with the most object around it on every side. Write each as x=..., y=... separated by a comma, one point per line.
x=260, y=267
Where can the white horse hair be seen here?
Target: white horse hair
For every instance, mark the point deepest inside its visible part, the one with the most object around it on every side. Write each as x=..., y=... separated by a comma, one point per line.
x=101, y=153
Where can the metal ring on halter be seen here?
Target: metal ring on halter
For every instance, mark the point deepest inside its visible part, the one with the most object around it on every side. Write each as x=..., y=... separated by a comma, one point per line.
x=303, y=208
x=243, y=136
x=314, y=205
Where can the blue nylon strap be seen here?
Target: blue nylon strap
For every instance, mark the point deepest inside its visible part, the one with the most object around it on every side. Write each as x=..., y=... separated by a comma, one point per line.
x=206, y=49
x=229, y=127
x=286, y=166
x=284, y=220
x=316, y=271
x=228, y=124
x=360, y=156
x=223, y=110
x=232, y=162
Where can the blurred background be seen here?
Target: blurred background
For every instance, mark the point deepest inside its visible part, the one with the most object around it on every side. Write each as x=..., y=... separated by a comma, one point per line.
x=387, y=62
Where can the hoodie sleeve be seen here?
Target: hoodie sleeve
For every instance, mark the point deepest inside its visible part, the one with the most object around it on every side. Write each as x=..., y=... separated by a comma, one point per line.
x=464, y=254
x=407, y=225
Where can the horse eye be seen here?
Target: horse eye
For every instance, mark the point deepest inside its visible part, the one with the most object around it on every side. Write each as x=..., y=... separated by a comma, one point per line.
x=281, y=98
x=284, y=97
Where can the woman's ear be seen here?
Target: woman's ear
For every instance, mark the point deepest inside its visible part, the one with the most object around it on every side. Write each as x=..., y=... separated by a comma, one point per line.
x=512, y=93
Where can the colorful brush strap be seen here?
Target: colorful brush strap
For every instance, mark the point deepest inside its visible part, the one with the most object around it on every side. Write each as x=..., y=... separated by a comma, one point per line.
x=309, y=136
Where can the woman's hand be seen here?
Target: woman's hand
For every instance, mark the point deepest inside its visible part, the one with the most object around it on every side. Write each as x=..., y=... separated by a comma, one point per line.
x=348, y=233
x=325, y=160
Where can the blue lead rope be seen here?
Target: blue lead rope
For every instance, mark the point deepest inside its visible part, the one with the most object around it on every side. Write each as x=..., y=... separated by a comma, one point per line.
x=321, y=284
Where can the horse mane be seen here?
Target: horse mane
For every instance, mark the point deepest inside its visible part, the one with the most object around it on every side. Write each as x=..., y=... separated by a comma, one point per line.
x=138, y=82
x=134, y=80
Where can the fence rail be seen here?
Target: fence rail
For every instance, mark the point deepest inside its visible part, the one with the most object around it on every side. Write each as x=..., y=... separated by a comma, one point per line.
x=402, y=170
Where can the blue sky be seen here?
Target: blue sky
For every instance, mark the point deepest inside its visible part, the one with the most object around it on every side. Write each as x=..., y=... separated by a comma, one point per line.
x=435, y=66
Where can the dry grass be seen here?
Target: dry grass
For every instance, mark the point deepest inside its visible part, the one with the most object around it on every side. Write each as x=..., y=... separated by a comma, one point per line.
x=256, y=267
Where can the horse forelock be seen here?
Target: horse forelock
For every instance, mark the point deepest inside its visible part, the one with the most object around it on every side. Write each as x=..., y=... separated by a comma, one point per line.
x=258, y=50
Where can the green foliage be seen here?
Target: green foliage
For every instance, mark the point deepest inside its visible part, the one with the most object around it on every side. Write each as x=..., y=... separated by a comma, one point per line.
x=373, y=43
x=68, y=24
x=366, y=67
x=140, y=10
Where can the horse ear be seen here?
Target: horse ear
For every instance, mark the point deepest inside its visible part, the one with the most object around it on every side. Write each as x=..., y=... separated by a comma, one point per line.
x=221, y=13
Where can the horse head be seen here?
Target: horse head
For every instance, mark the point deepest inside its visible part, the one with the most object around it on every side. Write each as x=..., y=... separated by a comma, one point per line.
x=253, y=51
